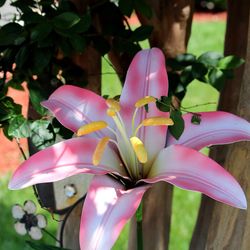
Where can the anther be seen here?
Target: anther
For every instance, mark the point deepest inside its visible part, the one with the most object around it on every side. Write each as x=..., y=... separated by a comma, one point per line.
x=91, y=127
x=139, y=149
x=157, y=121
x=113, y=104
x=97, y=156
x=145, y=100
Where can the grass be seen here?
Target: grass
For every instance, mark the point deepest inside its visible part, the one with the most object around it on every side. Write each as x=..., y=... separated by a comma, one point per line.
x=205, y=37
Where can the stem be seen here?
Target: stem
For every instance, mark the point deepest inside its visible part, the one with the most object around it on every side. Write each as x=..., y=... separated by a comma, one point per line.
x=51, y=235
x=139, y=227
x=20, y=148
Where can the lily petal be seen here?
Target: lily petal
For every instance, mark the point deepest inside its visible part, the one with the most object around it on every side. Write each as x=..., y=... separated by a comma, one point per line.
x=74, y=107
x=191, y=170
x=215, y=128
x=107, y=207
x=62, y=160
x=146, y=76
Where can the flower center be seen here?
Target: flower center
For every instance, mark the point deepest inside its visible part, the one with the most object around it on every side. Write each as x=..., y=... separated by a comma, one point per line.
x=131, y=148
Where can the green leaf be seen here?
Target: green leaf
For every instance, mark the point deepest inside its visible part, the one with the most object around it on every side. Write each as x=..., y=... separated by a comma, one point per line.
x=216, y=78
x=8, y=108
x=41, y=31
x=37, y=95
x=66, y=20
x=2, y=2
x=199, y=70
x=32, y=17
x=186, y=76
x=9, y=33
x=177, y=129
x=78, y=43
x=185, y=59
x=83, y=25
x=40, y=59
x=210, y=58
x=126, y=7
x=196, y=119
x=124, y=45
x=42, y=134
x=22, y=56
x=143, y=8
x=40, y=246
x=61, y=130
x=164, y=103
x=230, y=62
x=19, y=127
x=141, y=33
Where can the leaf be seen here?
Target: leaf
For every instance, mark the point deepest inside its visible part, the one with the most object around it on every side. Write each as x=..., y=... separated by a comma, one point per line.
x=185, y=59
x=8, y=108
x=177, y=129
x=66, y=20
x=40, y=246
x=210, y=58
x=61, y=130
x=216, y=78
x=2, y=2
x=126, y=7
x=9, y=33
x=37, y=95
x=143, y=8
x=164, y=103
x=141, y=33
x=40, y=59
x=230, y=62
x=186, y=76
x=196, y=119
x=42, y=134
x=78, y=43
x=22, y=56
x=199, y=70
x=19, y=127
x=83, y=25
x=41, y=31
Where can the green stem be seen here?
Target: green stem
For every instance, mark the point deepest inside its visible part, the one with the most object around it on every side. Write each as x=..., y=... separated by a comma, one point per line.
x=139, y=227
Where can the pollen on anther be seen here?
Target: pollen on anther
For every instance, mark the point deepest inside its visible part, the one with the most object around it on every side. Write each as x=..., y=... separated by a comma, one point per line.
x=97, y=156
x=139, y=149
x=157, y=121
x=91, y=127
x=144, y=101
x=113, y=104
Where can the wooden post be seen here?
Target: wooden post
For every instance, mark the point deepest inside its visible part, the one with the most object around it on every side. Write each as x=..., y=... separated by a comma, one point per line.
x=220, y=226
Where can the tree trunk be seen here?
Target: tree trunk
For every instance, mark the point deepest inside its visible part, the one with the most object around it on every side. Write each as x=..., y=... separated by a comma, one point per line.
x=172, y=25
x=220, y=226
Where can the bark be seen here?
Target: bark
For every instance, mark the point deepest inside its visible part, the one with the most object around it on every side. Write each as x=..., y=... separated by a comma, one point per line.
x=220, y=226
x=172, y=25
x=172, y=21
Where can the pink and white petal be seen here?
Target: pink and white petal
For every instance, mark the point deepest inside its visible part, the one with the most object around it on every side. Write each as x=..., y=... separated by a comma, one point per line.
x=191, y=170
x=74, y=107
x=62, y=160
x=107, y=207
x=146, y=76
x=215, y=128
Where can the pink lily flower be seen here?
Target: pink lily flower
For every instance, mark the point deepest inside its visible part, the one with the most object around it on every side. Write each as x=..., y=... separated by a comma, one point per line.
x=125, y=148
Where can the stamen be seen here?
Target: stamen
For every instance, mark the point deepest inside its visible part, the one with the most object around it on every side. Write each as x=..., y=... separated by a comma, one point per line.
x=113, y=104
x=139, y=149
x=157, y=121
x=145, y=100
x=111, y=112
x=91, y=127
x=96, y=158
